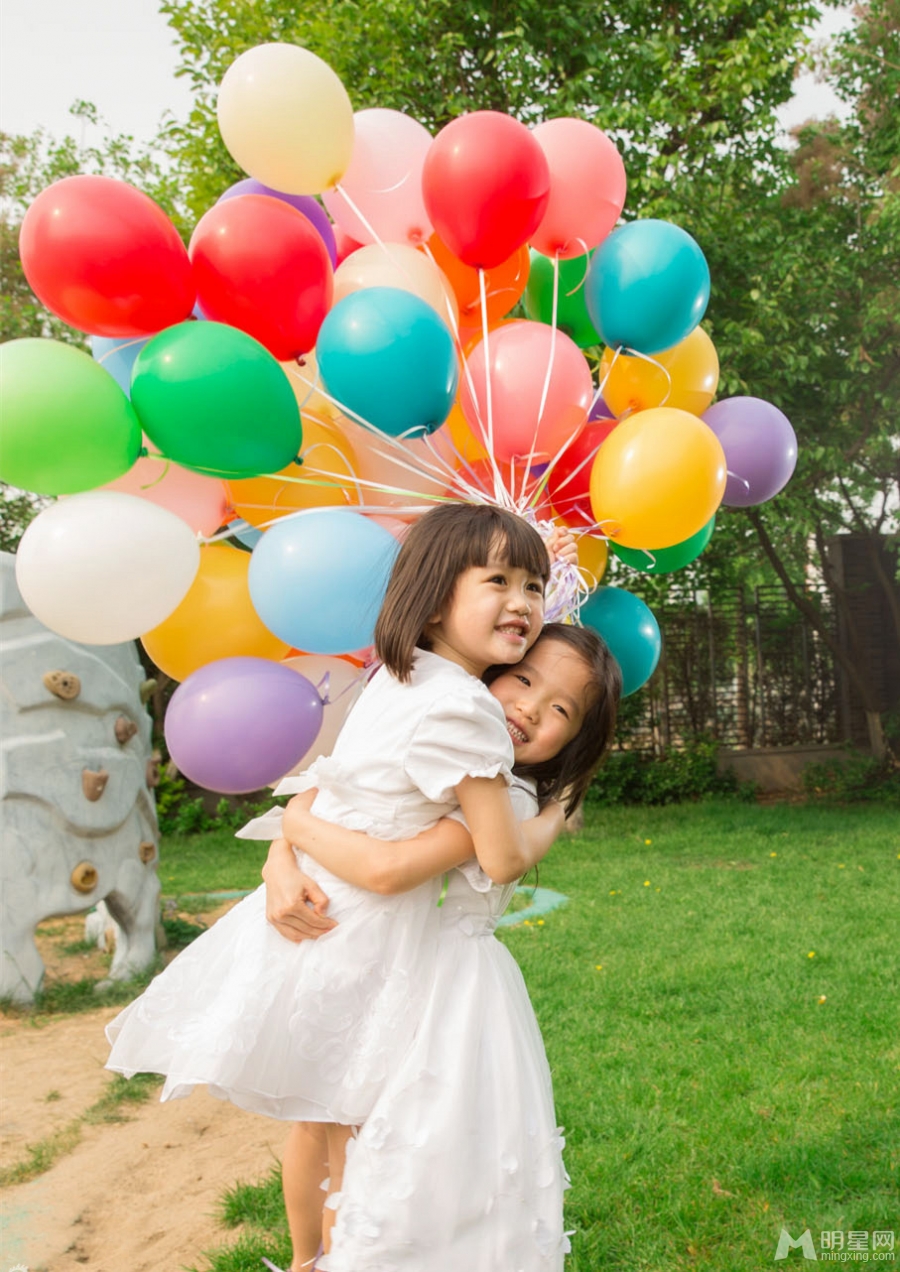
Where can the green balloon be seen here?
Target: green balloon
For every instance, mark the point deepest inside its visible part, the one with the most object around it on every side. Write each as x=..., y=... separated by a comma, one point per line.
x=67, y=426
x=214, y=400
x=665, y=560
x=571, y=314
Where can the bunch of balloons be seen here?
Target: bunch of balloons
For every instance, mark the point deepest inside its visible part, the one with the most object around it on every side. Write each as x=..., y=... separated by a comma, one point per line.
x=331, y=354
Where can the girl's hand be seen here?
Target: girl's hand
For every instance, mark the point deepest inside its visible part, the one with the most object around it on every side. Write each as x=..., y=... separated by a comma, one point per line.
x=295, y=904
x=562, y=546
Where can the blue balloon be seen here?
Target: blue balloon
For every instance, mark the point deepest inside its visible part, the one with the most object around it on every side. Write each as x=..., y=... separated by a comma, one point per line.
x=117, y=355
x=647, y=287
x=629, y=629
x=318, y=579
x=387, y=355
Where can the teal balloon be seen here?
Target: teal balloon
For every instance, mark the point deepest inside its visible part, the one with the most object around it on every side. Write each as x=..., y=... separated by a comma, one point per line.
x=211, y=398
x=572, y=316
x=386, y=355
x=647, y=287
x=67, y=426
x=318, y=580
x=665, y=560
x=629, y=629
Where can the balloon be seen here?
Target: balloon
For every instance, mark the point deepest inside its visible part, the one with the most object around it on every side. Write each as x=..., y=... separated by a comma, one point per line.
x=665, y=560
x=395, y=265
x=328, y=460
x=215, y=620
x=387, y=356
x=117, y=357
x=569, y=482
x=286, y=119
x=519, y=356
x=760, y=448
x=345, y=245
x=305, y=203
x=317, y=580
x=384, y=180
x=340, y=683
x=486, y=185
x=587, y=187
x=571, y=310
x=456, y=442
x=657, y=479
x=102, y=567
x=593, y=555
x=398, y=468
x=261, y=266
x=66, y=425
x=635, y=384
x=240, y=724
x=647, y=287
x=503, y=284
x=200, y=501
x=211, y=398
x=105, y=258
x=629, y=629
x=306, y=381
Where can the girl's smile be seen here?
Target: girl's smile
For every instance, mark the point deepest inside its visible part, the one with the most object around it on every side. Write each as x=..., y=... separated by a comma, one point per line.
x=544, y=698
x=494, y=616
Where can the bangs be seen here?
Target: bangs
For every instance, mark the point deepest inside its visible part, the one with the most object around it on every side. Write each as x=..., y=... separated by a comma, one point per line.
x=510, y=539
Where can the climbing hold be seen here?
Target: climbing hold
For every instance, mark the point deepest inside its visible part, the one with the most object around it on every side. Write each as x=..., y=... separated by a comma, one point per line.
x=153, y=769
x=147, y=689
x=65, y=684
x=125, y=730
x=93, y=784
x=147, y=851
x=84, y=877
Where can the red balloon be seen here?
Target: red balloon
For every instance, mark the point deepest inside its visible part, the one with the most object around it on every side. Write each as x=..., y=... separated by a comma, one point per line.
x=569, y=484
x=486, y=184
x=105, y=258
x=345, y=245
x=261, y=266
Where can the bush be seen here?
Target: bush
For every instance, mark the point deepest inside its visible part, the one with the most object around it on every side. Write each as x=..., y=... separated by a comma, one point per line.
x=633, y=777
x=859, y=778
x=182, y=814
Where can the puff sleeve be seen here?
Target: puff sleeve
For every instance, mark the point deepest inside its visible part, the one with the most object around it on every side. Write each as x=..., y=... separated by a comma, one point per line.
x=459, y=736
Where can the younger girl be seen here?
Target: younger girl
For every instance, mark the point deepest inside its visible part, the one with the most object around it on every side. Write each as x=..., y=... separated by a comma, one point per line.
x=311, y=1032
x=459, y=1163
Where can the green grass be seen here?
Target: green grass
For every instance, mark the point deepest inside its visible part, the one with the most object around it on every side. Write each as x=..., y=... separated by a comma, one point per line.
x=688, y=1042
x=213, y=861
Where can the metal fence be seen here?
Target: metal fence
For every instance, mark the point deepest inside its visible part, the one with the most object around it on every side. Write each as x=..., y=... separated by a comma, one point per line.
x=746, y=670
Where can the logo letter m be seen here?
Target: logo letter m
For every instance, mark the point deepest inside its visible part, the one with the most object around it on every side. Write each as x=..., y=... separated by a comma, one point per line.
x=786, y=1243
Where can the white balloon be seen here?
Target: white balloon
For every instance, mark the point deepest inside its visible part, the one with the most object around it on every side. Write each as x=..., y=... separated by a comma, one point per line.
x=345, y=684
x=103, y=567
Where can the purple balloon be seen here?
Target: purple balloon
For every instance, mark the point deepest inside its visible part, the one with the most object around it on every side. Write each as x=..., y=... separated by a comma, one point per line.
x=304, y=203
x=600, y=411
x=760, y=448
x=239, y=724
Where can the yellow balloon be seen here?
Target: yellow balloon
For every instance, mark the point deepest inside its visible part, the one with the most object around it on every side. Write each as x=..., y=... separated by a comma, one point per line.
x=306, y=381
x=396, y=265
x=328, y=460
x=286, y=119
x=657, y=479
x=215, y=620
x=636, y=384
x=593, y=555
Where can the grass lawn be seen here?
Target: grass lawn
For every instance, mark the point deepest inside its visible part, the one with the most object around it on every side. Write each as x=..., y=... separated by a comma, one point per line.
x=719, y=1005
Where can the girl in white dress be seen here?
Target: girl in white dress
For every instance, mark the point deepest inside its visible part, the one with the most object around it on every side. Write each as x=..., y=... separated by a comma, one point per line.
x=310, y=1032
x=459, y=1163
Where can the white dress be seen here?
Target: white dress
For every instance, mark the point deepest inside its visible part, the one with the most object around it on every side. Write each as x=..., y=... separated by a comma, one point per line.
x=311, y=1031
x=459, y=1165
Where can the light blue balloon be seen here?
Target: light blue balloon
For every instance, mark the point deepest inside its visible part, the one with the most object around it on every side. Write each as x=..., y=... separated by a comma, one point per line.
x=117, y=355
x=317, y=580
x=387, y=355
x=629, y=629
x=647, y=287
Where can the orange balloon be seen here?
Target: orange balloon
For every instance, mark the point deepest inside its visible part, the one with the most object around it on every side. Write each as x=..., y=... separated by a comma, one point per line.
x=657, y=479
x=639, y=384
x=215, y=620
x=503, y=284
x=456, y=442
x=328, y=459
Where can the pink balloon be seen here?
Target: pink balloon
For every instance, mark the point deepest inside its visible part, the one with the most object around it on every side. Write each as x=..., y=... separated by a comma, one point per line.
x=587, y=187
x=344, y=685
x=200, y=501
x=527, y=420
x=384, y=180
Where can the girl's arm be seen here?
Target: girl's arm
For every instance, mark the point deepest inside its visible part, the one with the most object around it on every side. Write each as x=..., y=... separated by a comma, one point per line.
x=505, y=847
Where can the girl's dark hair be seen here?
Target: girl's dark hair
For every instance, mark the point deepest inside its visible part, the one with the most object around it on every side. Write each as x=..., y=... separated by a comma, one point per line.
x=442, y=544
x=568, y=775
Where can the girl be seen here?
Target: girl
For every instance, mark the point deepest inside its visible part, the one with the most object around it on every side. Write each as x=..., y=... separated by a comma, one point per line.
x=311, y=1032
x=458, y=1164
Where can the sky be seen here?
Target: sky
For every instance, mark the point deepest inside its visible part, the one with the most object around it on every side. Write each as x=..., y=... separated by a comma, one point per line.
x=119, y=55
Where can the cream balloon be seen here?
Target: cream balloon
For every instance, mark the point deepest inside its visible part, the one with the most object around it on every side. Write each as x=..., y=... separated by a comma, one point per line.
x=102, y=567
x=344, y=685
x=405, y=469
x=395, y=265
x=306, y=381
x=286, y=119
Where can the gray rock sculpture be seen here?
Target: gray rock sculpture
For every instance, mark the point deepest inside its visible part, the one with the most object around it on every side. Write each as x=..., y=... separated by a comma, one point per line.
x=77, y=810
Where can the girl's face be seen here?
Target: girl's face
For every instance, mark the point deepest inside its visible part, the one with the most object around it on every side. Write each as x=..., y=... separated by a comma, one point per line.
x=494, y=616
x=544, y=698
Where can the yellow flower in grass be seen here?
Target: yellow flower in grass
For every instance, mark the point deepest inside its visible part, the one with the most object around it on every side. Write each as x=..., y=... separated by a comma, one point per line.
x=648, y=841
x=811, y=954
x=821, y=999
x=773, y=854
x=599, y=967
x=646, y=883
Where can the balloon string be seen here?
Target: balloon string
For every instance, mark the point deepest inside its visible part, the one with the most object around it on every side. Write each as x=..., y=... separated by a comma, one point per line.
x=587, y=266
x=119, y=347
x=742, y=480
x=327, y=700
x=167, y=464
x=546, y=389
x=498, y=481
x=602, y=385
x=474, y=489
x=645, y=357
